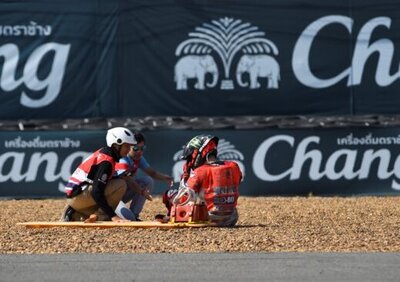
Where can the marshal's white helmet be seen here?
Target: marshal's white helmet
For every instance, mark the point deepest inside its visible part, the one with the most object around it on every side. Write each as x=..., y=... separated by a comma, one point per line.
x=119, y=136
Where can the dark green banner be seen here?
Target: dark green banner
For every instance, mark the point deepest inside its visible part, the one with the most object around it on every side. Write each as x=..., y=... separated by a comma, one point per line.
x=58, y=59
x=274, y=162
x=113, y=58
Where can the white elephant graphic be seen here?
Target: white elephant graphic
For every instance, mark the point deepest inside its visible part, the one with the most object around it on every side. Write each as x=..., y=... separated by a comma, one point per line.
x=258, y=66
x=195, y=66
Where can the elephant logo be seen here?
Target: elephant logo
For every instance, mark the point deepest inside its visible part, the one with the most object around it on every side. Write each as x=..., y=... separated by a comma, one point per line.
x=226, y=151
x=195, y=66
x=226, y=41
x=258, y=66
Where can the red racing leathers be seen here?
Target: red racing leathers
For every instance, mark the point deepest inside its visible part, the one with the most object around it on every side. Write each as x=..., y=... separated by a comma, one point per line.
x=218, y=183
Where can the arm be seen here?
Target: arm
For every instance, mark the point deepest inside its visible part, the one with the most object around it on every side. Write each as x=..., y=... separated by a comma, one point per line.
x=188, y=190
x=132, y=184
x=144, y=165
x=159, y=176
x=194, y=182
x=135, y=187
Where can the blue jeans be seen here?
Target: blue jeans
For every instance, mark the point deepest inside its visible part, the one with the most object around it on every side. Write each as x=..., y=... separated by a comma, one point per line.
x=138, y=200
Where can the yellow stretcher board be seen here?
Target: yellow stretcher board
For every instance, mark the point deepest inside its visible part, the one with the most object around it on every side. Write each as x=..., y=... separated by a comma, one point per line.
x=110, y=224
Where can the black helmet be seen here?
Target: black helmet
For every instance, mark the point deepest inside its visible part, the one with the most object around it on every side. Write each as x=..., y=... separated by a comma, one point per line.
x=198, y=148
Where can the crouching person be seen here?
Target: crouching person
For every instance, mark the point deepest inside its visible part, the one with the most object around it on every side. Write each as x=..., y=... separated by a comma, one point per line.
x=215, y=182
x=92, y=193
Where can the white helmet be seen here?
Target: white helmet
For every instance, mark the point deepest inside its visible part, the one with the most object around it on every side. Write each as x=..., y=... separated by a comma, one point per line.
x=119, y=136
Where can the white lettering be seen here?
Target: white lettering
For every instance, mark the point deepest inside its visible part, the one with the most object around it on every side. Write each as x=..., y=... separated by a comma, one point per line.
x=15, y=172
x=369, y=157
x=301, y=53
x=396, y=170
x=261, y=154
x=363, y=50
x=301, y=156
x=347, y=170
x=46, y=162
x=339, y=164
x=37, y=159
x=52, y=83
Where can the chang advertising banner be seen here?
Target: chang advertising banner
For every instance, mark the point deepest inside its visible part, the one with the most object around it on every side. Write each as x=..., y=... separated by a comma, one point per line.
x=114, y=58
x=273, y=162
x=53, y=59
x=261, y=57
x=38, y=164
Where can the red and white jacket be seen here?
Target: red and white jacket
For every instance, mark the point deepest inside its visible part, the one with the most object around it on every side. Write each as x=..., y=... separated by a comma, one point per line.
x=80, y=175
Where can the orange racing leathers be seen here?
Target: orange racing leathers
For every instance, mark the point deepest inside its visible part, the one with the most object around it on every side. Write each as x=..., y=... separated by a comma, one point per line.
x=218, y=183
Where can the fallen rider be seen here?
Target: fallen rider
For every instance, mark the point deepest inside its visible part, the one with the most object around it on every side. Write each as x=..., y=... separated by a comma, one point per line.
x=206, y=180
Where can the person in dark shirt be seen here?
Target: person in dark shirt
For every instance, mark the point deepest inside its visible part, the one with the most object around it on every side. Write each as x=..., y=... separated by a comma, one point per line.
x=91, y=191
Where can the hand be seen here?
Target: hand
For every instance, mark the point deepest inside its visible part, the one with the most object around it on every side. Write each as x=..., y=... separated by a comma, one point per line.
x=125, y=177
x=146, y=194
x=118, y=219
x=169, y=180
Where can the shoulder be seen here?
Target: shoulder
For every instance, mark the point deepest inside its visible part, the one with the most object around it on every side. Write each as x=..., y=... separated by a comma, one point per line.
x=202, y=169
x=233, y=163
x=143, y=164
x=125, y=160
x=105, y=150
x=226, y=164
x=109, y=152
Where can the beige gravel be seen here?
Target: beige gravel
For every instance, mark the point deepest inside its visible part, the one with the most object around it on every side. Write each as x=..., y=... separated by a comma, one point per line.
x=266, y=224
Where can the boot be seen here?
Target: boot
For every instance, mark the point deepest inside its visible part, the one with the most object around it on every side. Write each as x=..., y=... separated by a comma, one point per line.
x=67, y=214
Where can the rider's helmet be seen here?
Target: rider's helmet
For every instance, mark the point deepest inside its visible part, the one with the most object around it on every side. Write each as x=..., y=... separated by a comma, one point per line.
x=198, y=149
x=119, y=136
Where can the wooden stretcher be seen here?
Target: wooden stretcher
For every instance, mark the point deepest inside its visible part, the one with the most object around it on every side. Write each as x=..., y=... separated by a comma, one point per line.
x=110, y=224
